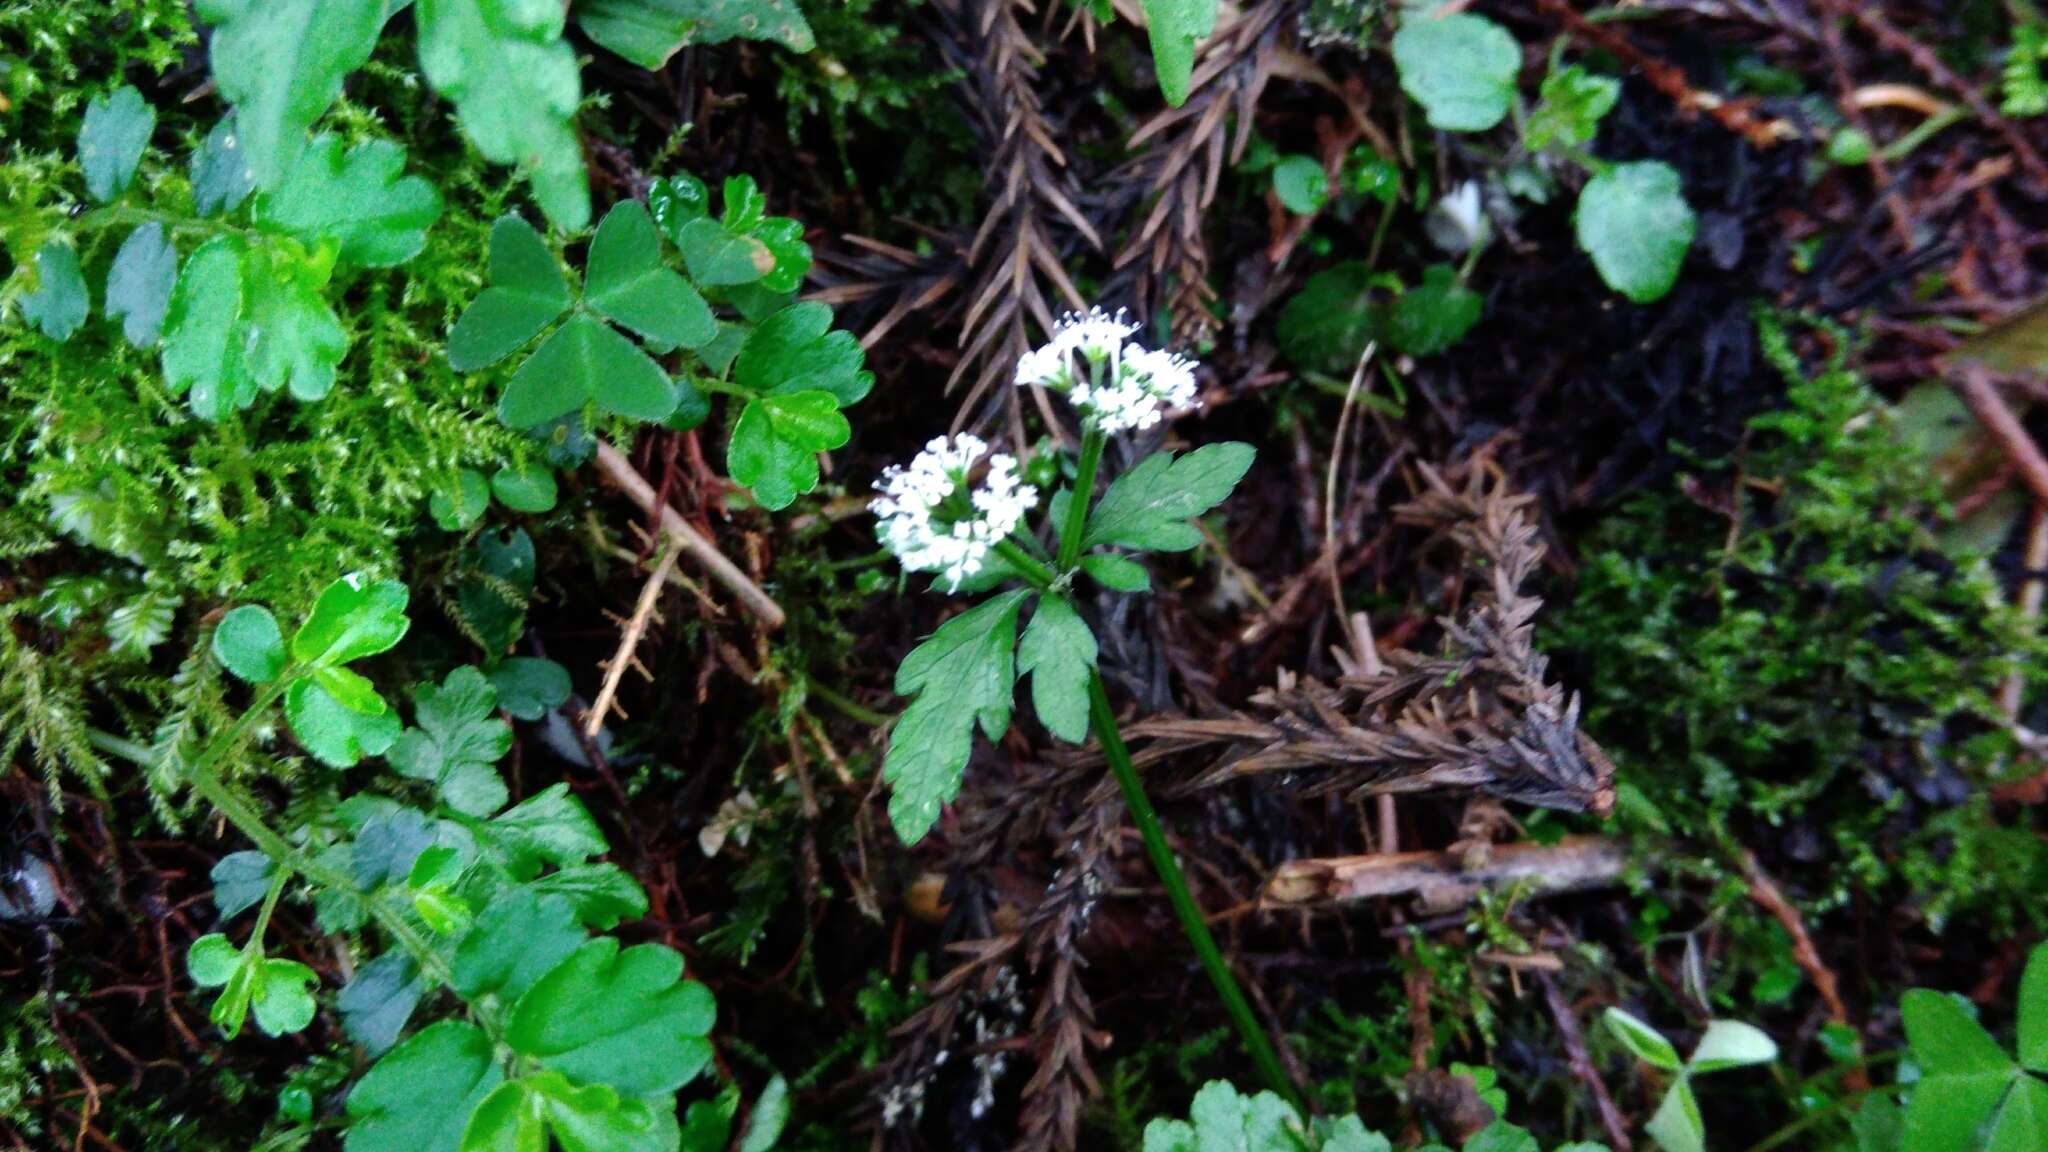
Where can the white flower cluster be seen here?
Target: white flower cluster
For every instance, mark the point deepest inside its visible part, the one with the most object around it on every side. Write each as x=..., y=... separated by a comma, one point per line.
x=1121, y=386
x=936, y=519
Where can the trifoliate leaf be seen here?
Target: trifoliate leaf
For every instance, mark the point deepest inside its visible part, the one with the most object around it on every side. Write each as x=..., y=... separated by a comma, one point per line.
x=336, y=735
x=582, y=362
x=2033, y=1007
x=60, y=302
x=1570, y=107
x=240, y=881
x=454, y=507
x=420, y=1095
x=648, y=32
x=376, y=1003
x=1116, y=573
x=718, y=257
x=522, y=1114
x=294, y=340
x=796, y=350
x=1058, y=652
x=220, y=173
x=360, y=199
x=784, y=239
x=626, y=281
x=527, y=292
x=248, y=643
x=1176, y=28
x=1634, y=221
x=2022, y=1121
x=1433, y=315
x=550, y=827
x=677, y=200
x=775, y=444
x=624, y=1018
x=202, y=337
x=515, y=85
x=1301, y=184
x=457, y=743
x=1149, y=507
x=281, y=63
x=353, y=618
x=962, y=674
x=519, y=938
x=1459, y=67
x=110, y=142
x=140, y=283
x=602, y=894
x=1677, y=1126
x=524, y=489
x=528, y=686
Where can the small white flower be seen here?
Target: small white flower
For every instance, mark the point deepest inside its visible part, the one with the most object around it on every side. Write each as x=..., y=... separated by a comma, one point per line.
x=1457, y=222
x=934, y=517
x=1095, y=334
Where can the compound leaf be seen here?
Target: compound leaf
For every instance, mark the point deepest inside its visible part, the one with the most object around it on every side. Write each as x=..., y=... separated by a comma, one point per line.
x=1149, y=506
x=458, y=743
x=963, y=673
x=61, y=301
x=140, y=283
x=361, y=199
x=627, y=282
x=1963, y=1073
x=281, y=63
x=110, y=142
x=775, y=444
x=1058, y=652
x=584, y=361
x=527, y=292
x=334, y=733
x=519, y=938
x=521, y=1114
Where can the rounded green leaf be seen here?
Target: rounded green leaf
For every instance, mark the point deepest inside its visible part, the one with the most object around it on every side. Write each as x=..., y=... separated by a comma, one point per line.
x=60, y=302
x=528, y=686
x=336, y=735
x=1731, y=1044
x=212, y=960
x=284, y=997
x=1460, y=67
x=456, y=508
x=585, y=361
x=419, y=1097
x=353, y=618
x=248, y=643
x=1301, y=184
x=775, y=444
x=140, y=283
x=1634, y=221
x=624, y=1018
x=627, y=282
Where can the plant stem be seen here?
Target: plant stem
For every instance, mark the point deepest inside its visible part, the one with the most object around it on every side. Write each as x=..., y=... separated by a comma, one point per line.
x=1092, y=441
x=1032, y=569
x=1254, y=1037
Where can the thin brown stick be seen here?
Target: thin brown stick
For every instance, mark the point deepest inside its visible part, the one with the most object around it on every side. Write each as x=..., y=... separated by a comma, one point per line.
x=1770, y=898
x=1441, y=880
x=1973, y=383
x=620, y=473
x=2029, y=600
x=1582, y=1067
x=629, y=640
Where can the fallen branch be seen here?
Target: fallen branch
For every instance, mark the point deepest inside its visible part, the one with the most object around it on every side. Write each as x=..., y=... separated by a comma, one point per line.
x=1441, y=881
x=629, y=641
x=1583, y=1069
x=620, y=473
x=1766, y=893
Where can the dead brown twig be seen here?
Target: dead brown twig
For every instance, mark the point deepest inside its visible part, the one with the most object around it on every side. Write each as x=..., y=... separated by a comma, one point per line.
x=620, y=473
x=1442, y=881
x=629, y=640
x=1771, y=898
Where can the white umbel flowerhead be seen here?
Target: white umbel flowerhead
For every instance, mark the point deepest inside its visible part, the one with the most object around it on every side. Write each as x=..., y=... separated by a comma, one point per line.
x=1116, y=385
x=935, y=518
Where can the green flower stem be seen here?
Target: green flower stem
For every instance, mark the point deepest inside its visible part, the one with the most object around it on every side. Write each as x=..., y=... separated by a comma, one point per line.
x=1092, y=441
x=1255, y=1040
x=1030, y=567
x=270, y=898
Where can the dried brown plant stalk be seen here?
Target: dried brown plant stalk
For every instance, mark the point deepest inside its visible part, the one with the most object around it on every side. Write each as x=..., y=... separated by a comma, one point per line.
x=1063, y=1024
x=1478, y=716
x=1165, y=262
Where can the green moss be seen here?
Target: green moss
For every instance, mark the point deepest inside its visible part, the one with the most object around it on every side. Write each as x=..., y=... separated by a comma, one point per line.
x=1789, y=659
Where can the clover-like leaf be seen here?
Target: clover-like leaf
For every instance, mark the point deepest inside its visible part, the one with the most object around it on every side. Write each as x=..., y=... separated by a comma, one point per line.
x=140, y=283
x=1648, y=1044
x=361, y=199
x=1058, y=653
x=458, y=743
x=1149, y=507
x=1459, y=67
x=527, y=292
x=524, y=489
x=627, y=282
x=582, y=362
x=775, y=444
x=624, y=1018
x=419, y=1097
x=718, y=257
x=1570, y=107
x=454, y=508
x=1634, y=221
x=281, y=63
x=1677, y=1126
x=111, y=139
x=963, y=673
x=60, y=302
x=1963, y=1073
x=354, y=617
x=515, y=84
x=248, y=643
x=796, y=350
